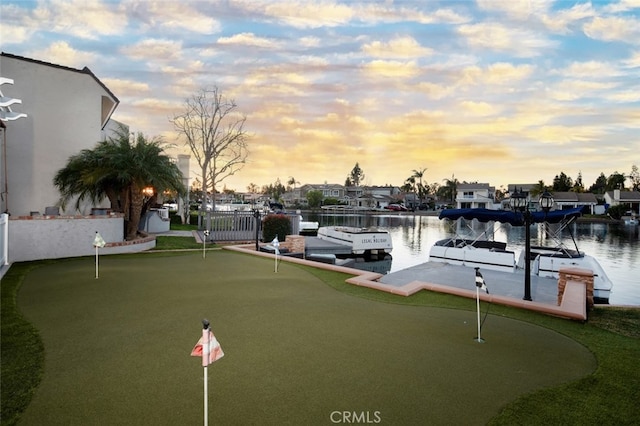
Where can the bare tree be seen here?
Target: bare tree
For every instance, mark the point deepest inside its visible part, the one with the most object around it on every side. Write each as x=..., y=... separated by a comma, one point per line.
x=214, y=131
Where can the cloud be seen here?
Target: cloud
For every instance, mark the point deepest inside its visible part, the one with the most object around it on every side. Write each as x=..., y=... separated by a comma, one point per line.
x=154, y=49
x=178, y=16
x=633, y=61
x=62, y=53
x=497, y=74
x=305, y=14
x=622, y=6
x=125, y=87
x=379, y=68
x=590, y=69
x=622, y=29
x=248, y=39
x=520, y=10
x=479, y=108
x=399, y=47
x=518, y=42
x=14, y=34
x=87, y=19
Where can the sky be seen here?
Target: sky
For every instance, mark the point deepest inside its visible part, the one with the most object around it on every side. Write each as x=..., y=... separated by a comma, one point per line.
x=492, y=91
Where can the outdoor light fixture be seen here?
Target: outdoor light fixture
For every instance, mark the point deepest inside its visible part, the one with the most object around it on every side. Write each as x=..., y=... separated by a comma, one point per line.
x=519, y=202
x=546, y=201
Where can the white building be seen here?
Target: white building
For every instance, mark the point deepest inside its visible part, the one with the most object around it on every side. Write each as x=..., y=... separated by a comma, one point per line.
x=67, y=110
x=476, y=196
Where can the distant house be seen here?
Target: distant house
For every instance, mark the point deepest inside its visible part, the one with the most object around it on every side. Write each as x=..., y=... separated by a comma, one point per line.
x=631, y=198
x=571, y=200
x=475, y=196
x=298, y=196
x=67, y=110
x=373, y=197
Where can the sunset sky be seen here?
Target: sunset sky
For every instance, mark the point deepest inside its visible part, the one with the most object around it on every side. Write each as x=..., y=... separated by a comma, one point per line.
x=496, y=91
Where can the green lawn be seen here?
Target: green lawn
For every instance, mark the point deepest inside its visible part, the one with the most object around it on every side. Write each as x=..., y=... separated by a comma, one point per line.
x=299, y=344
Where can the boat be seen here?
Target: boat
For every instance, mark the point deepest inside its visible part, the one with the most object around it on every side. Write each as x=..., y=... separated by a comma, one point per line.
x=630, y=219
x=546, y=261
x=307, y=227
x=361, y=240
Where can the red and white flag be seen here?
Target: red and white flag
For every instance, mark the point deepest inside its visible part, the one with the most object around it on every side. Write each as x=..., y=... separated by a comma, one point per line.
x=208, y=348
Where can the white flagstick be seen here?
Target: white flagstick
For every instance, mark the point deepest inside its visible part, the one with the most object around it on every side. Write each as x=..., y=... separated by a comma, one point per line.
x=478, y=309
x=276, y=245
x=205, y=363
x=204, y=242
x=97, y=243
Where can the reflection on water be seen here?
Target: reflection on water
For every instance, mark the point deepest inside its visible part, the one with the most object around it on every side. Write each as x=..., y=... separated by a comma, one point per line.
x=617, y=247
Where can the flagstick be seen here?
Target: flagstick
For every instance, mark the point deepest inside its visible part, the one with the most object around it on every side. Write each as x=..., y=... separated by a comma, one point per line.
x=205, y=363
x=276, y=266
x=96, y=262
x=206, y=399
x=478, y=309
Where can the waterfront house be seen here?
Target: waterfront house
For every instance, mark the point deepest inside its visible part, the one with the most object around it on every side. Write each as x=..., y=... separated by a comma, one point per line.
x=571, y=200
x=631, y=198
x=476, y=195
x=67, y=110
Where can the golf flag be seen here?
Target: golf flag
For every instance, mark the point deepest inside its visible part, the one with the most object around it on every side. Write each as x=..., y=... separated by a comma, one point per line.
x=275, y=243
x=480, y=281
x=98, y=242
x=208, y=348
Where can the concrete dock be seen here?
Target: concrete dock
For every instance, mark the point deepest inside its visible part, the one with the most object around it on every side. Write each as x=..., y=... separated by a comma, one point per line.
x=507, y=284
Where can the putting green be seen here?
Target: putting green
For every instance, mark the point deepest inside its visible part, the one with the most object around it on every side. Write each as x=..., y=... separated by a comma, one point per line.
x=296, y=350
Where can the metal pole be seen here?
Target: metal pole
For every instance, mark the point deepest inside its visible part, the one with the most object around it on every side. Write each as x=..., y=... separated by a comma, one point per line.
x=478, y=309
x=205, y=363
x=527, y=256
x=206, y=399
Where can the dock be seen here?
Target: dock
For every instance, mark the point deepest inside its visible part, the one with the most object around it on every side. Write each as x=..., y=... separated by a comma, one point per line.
x=315, y=245
x=505, y=288
x=507, y=284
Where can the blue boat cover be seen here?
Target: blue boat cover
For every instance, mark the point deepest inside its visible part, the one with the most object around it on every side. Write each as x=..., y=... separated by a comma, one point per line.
x=507, y=216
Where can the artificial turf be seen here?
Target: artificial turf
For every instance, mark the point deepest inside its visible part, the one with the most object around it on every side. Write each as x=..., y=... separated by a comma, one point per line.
x=296, y=351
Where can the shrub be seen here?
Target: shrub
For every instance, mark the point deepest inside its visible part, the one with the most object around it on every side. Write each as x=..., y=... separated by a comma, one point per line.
x=275, y=225
x=617, y=211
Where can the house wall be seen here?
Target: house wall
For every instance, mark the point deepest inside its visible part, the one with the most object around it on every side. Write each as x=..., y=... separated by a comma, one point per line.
x=55, y=237
x=65, y=112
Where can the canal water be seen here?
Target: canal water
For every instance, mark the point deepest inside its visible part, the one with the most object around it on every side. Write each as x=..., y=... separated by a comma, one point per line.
x=615, y=246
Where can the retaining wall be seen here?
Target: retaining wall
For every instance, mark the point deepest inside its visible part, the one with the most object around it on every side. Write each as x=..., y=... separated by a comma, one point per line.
x=54, y=237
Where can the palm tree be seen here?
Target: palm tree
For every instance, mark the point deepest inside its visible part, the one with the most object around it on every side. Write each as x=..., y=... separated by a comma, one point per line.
x=418, y=174
x=120, y=170
x=451, y=188
x=538, y=189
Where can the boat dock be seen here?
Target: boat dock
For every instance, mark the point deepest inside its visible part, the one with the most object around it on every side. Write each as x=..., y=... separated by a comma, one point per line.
x=504, y=288
x=315, y=245
x=507, y=284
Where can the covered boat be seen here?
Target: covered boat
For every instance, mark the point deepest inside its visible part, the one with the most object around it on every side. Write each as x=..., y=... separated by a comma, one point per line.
x=361, y=240
x=484, y=252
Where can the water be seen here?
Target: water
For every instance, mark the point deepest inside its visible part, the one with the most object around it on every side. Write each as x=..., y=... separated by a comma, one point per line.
x=617, y=247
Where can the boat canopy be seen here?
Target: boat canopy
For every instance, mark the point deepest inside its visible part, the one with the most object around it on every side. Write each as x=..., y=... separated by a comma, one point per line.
x=507, y=216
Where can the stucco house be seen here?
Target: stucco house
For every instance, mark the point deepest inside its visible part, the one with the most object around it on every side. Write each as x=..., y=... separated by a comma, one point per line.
x=631, y=198
x=67, y=110
x=476, y=195
x=570, y=200
x=61, y=111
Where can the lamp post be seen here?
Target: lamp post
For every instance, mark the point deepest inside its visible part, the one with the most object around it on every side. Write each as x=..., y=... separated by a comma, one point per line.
x=520, y=203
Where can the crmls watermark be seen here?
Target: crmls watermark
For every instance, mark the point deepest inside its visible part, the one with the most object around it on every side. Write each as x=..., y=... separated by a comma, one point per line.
x=355, y=417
